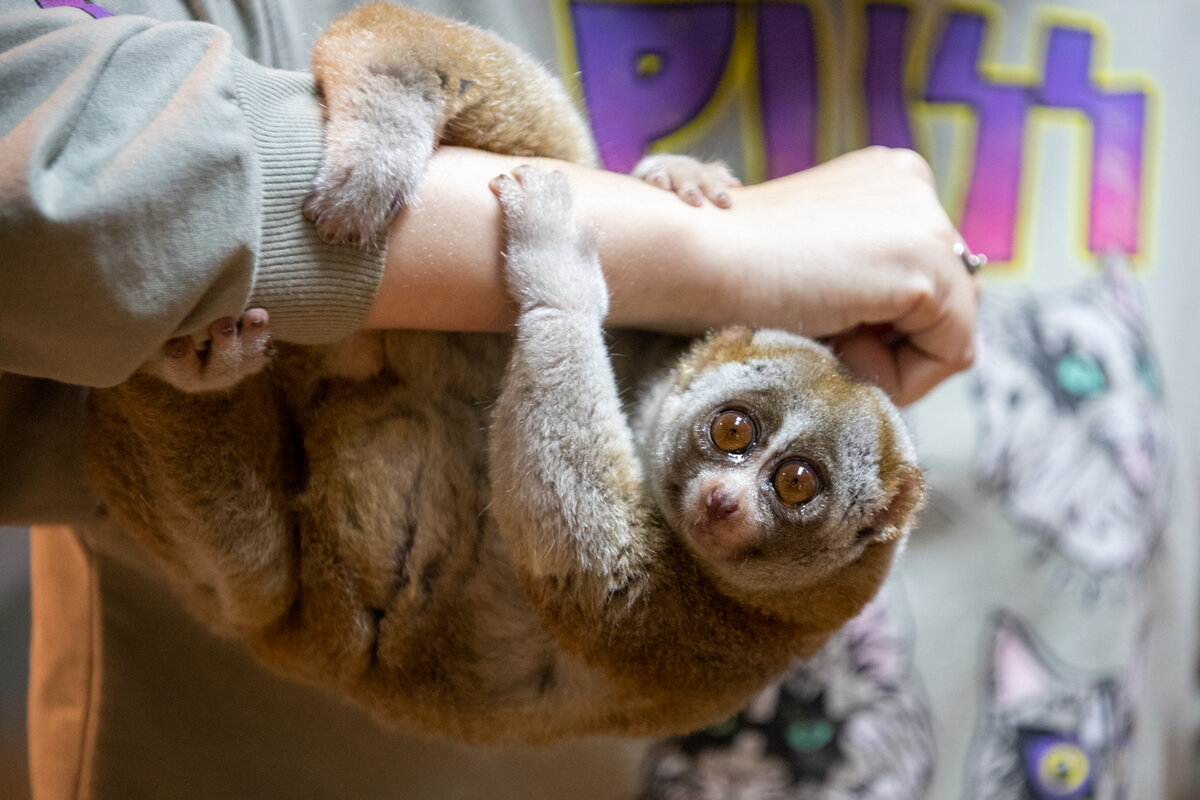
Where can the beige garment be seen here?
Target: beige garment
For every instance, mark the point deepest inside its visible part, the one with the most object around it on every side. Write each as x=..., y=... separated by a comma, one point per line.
x=62, y=662
x=131, y=699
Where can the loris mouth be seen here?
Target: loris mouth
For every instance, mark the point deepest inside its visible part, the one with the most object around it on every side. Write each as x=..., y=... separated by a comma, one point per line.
x=718, y=523
x=725, y=540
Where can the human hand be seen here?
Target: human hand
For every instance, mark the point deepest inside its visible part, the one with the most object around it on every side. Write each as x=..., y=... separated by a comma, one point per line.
x=860, y=252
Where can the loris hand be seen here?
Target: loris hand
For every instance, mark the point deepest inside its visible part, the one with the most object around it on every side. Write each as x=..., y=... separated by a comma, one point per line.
x=858, y=250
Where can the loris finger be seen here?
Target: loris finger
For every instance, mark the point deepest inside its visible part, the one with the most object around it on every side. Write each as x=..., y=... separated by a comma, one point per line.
x=692, y=180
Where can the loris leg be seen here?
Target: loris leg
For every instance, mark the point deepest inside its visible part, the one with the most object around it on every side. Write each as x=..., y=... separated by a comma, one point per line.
x=235, y=350
x=397, y=81
x=566, y=485
x=380, y=130
x=201, y=481
x=388, y=84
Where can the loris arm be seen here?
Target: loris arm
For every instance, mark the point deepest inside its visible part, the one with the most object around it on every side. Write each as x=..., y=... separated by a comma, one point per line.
x=567, y=491
x=560, y=396
x=565, y=475
x=565, y=480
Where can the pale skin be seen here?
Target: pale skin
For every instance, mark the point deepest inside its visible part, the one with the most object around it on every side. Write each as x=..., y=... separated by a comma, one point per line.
x=858, y=250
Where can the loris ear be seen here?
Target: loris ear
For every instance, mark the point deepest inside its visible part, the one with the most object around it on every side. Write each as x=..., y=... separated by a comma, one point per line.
x=719, y=347
x=908, y=495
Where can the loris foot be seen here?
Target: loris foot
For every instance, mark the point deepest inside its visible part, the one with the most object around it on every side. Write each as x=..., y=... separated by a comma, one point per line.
x=692, y=180
x=549, y=261
x=376, y=147
x=235, y=351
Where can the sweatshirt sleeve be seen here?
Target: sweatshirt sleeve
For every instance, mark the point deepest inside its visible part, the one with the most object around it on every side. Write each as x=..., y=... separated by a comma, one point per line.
x=151, y=179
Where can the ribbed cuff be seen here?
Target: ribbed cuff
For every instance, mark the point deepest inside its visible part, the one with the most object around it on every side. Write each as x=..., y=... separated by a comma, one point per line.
x=315, y=293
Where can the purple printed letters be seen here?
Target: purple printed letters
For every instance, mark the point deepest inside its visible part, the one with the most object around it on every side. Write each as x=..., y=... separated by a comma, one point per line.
x=650, y=68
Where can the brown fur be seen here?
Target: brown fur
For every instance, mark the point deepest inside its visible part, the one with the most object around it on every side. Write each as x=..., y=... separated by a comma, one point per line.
x=345, y=528
x=485, y=102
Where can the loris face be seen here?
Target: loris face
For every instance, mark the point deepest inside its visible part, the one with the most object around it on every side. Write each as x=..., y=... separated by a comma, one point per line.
x=774, y=464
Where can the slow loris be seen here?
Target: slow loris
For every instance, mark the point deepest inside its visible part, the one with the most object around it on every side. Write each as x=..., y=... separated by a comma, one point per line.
x=472, y=538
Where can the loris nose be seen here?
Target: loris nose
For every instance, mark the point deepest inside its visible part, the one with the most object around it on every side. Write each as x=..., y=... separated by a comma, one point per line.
x=720, y=504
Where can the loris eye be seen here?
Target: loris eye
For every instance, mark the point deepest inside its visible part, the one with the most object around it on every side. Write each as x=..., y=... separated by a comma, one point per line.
x=733, y=432
x=796, y=483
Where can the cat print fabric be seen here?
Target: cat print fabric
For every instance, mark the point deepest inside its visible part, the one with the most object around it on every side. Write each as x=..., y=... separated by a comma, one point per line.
x=1075, y=438
x=851, y=722
x=1049, y=732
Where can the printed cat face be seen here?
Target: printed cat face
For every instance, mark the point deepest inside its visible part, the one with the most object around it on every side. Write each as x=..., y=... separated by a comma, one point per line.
x=1048, y=734
x=850, y=722
x=1075, y=435
x=774, y=464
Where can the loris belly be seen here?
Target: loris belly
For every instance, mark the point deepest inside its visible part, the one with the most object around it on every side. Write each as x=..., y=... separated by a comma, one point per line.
x=469, y=535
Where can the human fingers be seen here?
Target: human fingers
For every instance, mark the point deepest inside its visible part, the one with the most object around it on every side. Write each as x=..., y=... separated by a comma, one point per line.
x=866, y=355
x=927, y=346
x=936, y=296
x=941, y=320
x=930, y=340
x=902, y=371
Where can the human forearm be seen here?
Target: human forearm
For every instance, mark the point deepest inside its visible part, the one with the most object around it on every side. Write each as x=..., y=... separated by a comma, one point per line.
x=861, y=241
x=444, y=268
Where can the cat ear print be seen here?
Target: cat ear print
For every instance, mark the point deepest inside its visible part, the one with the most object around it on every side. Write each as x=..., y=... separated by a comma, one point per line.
x=1120, y=287
x=1017, y=672
x=874, y=643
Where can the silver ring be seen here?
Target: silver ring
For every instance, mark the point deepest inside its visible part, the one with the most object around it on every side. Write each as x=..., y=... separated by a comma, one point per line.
x=972, y=261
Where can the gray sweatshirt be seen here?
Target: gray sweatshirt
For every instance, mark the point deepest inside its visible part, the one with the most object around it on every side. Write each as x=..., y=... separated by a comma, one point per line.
x=151, y=176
